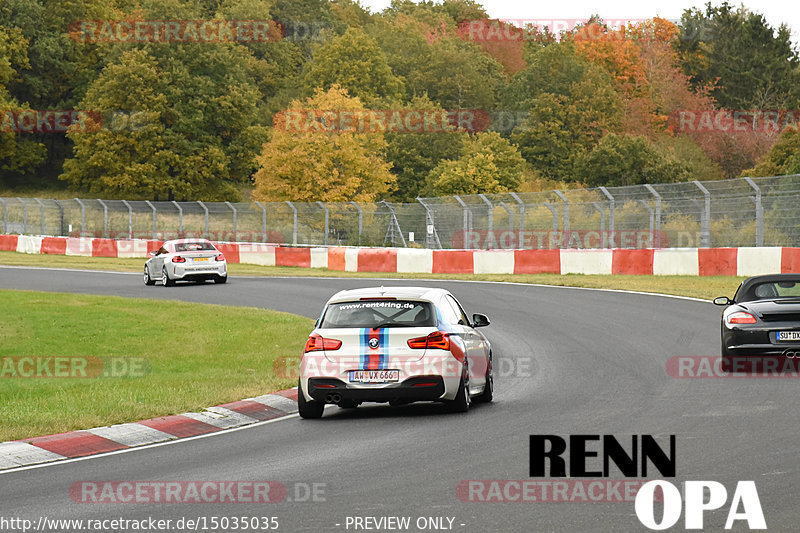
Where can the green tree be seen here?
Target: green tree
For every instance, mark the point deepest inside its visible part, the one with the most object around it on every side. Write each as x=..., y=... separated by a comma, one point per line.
x=628, y=160
x=571, y=104
x=782, y=159
x=311, y=165
x=356, y=63
x=489, y=164
x=414, y=154
x=18, y=151
x=755, y=64
x=191, y=132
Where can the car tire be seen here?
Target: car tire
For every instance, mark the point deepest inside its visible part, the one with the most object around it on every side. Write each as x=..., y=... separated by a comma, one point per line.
x=310, y=409
x=147, y=279
x=726, y=364
x=165, y=281
x=461, y=402
x=221, y=279
x=488, y=390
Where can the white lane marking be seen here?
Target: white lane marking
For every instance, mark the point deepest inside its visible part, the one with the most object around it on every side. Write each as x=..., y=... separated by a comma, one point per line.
x=14, y=454
x=516, y=283
x=221, y=417
x=148, y=446
x=131, y=434
x=20, y=267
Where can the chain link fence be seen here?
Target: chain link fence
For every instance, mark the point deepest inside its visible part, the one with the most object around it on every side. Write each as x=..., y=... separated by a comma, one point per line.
x=736, y=212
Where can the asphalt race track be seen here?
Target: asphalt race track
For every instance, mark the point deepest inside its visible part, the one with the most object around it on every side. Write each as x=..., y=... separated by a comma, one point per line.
x=570, y=362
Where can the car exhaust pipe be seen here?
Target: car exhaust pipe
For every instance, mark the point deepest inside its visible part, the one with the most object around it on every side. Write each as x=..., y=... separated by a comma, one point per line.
x=333, y=398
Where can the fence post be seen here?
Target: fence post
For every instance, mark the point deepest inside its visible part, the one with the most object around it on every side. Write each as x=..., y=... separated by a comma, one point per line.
x=61, y=219
x=360, y=221
x=83, y=214
x=235, y=236
x=705, y=218
x=130, y=218
x=294, y=222
x=611, y=204
x=393, y=224
x=521, y=211
x=41, y=204
x=467, y=213
x=154, y=218
x=206, y=211
x=566, y=209
x=105, y=217
x=180, y=218
x=759, y=213
x=431, y=235
x=5, y=215
x=603, y=236
x=491, y=215
x=649, y=210
x=552, y=209
x=263, y=221
x=510, y=215
x=24, y=215
x=327, y=221
x=658, y=213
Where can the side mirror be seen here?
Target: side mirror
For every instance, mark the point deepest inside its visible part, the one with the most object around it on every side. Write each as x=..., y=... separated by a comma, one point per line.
x=479, y=320
x=722, y=300
x=154, y=253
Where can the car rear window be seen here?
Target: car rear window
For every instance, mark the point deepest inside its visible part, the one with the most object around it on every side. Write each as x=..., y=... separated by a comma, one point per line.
x=378, y=313
x=194, y=247
x=777, y=289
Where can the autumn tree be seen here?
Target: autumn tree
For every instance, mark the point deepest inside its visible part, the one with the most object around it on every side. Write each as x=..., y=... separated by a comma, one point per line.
x=306, y=164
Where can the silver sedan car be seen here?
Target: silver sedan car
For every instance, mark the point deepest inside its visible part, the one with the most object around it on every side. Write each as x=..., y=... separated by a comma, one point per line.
x=185, y=260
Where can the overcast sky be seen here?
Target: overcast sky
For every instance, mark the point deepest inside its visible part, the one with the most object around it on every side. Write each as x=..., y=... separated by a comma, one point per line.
x=775, y=11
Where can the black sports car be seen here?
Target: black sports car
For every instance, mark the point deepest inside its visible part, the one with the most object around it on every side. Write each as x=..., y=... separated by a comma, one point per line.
x=763, y=319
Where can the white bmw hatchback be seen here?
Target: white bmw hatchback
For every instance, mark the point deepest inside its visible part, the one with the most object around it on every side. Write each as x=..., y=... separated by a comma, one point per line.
x=396, y=345
x=185, y=260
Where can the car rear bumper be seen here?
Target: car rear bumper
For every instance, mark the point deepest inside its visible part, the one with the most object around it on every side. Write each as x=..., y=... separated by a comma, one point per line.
x=417, y=389
x=199, y=272
x=757, y=341
x=439, y=368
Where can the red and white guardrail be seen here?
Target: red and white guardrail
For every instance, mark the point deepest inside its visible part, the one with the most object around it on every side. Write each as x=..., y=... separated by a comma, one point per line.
x=664, y=261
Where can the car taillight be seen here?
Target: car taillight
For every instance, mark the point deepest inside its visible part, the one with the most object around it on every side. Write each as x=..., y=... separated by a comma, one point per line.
x=741, y=317
x=178, y=259
x=220, y=257
x=316, y=342
x=436, y=340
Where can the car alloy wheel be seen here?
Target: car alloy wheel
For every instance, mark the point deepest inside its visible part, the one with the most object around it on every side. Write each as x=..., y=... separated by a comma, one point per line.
x=165, y=281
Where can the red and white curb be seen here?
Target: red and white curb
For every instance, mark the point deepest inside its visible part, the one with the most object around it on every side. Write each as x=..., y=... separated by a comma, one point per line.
x=743, y=261
x=94, y=441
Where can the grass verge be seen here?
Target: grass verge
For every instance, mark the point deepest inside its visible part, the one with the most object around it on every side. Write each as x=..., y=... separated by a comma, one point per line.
x=198, y=355
x=706, y=287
